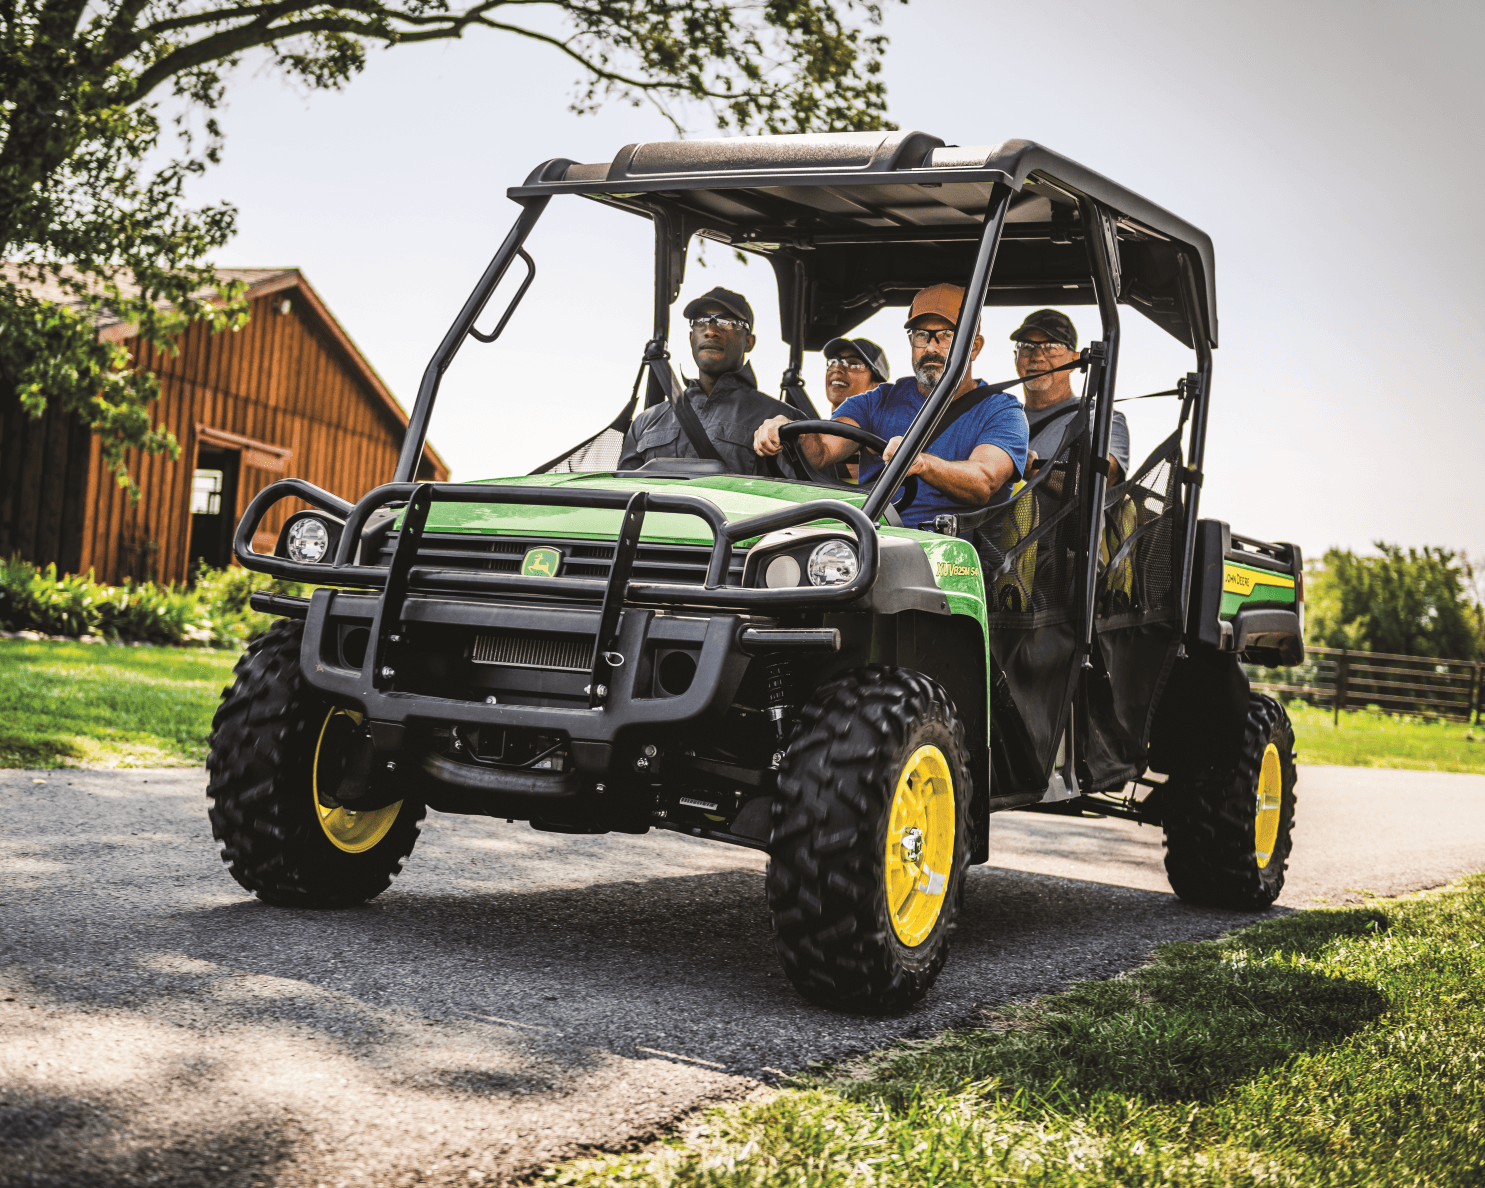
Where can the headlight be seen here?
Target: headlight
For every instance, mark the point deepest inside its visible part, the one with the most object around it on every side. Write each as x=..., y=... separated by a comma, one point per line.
x=833, y=564
x=309, y=540
x=782, y=572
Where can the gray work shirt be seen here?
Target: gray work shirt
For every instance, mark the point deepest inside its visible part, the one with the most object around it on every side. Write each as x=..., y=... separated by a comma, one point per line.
x=1048, y=424
x=730, y=414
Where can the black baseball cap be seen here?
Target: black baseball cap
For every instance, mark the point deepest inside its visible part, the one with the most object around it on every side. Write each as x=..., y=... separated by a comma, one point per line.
x=1055, y=325
x=733, y=303
x=875, y=357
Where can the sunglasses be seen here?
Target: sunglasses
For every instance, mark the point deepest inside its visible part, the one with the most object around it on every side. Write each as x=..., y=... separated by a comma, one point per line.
x=1028, y=349
x=922, y=338
x=718, y=322
x=849, y=364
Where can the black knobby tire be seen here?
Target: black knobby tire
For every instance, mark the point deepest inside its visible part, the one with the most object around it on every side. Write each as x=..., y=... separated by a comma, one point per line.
x=827, y=878
x=263, y=747
x=1211, y=817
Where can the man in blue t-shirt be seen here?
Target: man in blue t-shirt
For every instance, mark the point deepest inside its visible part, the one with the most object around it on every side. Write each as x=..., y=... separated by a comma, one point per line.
x=969, y=464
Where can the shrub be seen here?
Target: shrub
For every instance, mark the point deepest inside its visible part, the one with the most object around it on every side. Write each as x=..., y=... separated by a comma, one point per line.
x=213, y=612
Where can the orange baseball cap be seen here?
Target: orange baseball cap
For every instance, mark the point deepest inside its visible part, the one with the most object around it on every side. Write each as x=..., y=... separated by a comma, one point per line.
x=943, y=300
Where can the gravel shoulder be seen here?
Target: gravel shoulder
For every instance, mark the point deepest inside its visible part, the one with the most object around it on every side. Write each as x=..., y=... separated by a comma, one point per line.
x=517, y=996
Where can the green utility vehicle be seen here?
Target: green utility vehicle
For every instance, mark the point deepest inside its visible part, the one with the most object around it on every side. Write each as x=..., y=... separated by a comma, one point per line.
x=777, y=663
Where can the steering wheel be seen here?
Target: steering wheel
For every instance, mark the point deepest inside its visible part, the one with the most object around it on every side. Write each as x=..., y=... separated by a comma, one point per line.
x=788, y=435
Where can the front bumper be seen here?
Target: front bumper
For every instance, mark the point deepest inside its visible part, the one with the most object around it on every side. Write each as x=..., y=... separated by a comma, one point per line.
x=415, y=668
x=410, y=694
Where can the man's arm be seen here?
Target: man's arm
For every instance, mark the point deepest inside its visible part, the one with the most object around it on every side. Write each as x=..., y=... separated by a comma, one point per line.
x=973, y=481
x=629, y=458
x=629, y=455
x=820, y=449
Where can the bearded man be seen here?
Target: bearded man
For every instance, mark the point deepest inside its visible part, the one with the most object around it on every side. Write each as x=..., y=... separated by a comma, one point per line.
x=972, y=462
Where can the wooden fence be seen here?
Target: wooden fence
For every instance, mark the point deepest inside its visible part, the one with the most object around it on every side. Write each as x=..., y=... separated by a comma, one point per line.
x=1339, y=678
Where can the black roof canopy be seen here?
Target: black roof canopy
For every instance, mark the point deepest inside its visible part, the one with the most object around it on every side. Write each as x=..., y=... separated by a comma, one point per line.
x=871, y=217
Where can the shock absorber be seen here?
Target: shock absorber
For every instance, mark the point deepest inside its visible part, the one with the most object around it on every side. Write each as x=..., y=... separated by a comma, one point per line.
x=780, y=680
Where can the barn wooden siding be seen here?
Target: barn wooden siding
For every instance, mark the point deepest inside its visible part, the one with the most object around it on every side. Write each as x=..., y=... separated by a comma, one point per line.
x=43, y=485
x=287, y=380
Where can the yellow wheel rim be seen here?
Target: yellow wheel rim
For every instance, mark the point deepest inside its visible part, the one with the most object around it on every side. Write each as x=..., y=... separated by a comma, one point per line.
x=920, y=845
x=1270, y=799
x=353, y=832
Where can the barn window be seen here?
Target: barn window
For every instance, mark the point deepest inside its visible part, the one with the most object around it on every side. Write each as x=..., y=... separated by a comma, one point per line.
x=206, y=493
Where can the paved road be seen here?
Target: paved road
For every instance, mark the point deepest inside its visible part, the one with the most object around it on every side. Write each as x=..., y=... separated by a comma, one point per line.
x=516, y=996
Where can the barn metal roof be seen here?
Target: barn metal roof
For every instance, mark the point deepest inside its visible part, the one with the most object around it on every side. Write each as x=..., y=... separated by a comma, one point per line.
x=261, y=282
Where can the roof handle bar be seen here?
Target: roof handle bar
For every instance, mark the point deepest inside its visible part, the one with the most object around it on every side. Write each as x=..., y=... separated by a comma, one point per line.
x=514, y=301
x=422, y=413
x=1196, y=457
x=956, y=367
x=1102, y=239
x=670, y=269
x=791, y=384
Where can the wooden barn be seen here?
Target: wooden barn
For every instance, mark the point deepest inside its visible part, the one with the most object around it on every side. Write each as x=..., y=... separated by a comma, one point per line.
x=287, y=395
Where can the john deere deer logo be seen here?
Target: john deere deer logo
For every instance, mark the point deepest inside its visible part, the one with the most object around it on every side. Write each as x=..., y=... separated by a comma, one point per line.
x=541, y=562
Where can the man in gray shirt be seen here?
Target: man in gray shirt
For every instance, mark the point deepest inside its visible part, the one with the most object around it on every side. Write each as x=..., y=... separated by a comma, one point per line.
x=723, y=397
x=1047, y=339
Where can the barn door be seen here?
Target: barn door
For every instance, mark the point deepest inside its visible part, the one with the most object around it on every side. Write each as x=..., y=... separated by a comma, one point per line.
x=213, y=506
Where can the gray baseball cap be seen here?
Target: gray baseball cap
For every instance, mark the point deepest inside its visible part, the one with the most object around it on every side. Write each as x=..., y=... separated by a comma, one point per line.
x=1056, y=325
x=733, y=303
x=875, y=357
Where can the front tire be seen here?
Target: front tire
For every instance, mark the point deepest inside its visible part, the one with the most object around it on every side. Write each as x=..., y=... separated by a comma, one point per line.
x=1227, y=830
x=871, y=841
x=276, y=743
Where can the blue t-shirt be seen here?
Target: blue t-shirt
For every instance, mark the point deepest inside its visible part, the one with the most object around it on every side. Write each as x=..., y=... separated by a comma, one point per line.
x=888, y=409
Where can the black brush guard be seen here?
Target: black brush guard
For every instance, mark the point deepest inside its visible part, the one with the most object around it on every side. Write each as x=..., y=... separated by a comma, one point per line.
x=612, y=705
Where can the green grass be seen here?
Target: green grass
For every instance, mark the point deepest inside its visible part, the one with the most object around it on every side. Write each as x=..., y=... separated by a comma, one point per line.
x=1323, y=1048
x=1369, y=739
x=87, y=705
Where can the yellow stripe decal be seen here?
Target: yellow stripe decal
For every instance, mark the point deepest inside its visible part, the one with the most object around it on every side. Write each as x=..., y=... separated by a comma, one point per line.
x=1238, y=579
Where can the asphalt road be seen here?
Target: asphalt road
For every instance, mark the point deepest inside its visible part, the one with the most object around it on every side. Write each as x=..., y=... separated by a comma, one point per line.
x=517, y=996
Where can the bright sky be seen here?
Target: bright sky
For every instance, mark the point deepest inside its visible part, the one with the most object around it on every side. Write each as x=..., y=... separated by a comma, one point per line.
x=1330, y=149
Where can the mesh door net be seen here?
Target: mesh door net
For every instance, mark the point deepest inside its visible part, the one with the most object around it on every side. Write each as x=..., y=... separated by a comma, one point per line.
x=1029, y=555
x=1137, y=619
x=599, y=452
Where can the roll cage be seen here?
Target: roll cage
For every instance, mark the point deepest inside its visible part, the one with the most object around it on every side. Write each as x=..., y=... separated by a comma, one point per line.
x=854, y=222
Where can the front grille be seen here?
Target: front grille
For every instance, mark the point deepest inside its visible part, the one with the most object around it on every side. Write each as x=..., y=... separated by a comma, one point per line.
x=675, y=564
x=567, y=653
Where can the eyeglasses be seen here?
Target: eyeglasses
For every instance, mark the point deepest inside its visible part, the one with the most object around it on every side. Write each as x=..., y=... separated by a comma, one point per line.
x=922, y=338
x=718, y=322
x=1027, y=349
x=848, y=364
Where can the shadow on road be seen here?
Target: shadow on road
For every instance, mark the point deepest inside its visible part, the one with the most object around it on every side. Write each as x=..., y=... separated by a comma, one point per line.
x=514, y=996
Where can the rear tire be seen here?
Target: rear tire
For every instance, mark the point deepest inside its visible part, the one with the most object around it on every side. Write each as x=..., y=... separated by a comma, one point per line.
x=272, y=736
x=873, y=806
x=1227, y=830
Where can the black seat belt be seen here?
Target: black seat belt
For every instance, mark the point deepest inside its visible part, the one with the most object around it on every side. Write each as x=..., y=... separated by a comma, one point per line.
x=663, y=377
x=965, y=403
x=692, y=427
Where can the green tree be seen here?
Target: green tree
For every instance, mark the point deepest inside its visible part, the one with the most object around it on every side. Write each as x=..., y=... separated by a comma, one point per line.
x=94, y=236
x=1410, y=602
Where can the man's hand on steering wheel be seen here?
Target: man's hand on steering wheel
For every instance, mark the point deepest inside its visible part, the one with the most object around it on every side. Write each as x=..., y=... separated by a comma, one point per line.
x=766, y=441
x=918, y=465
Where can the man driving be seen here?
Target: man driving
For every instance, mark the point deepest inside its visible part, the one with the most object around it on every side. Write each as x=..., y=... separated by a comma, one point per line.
x=1046, y=339
x=967, y=464
x=726, y=404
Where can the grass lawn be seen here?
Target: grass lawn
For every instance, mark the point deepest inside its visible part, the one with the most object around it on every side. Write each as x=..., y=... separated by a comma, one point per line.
x=86, y=705
x=1323, y=1048
x=1366, y=739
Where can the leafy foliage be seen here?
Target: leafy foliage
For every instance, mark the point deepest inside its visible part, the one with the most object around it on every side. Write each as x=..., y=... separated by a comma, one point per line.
x=212, y=613
x=1409, y=602
x=98, y=237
